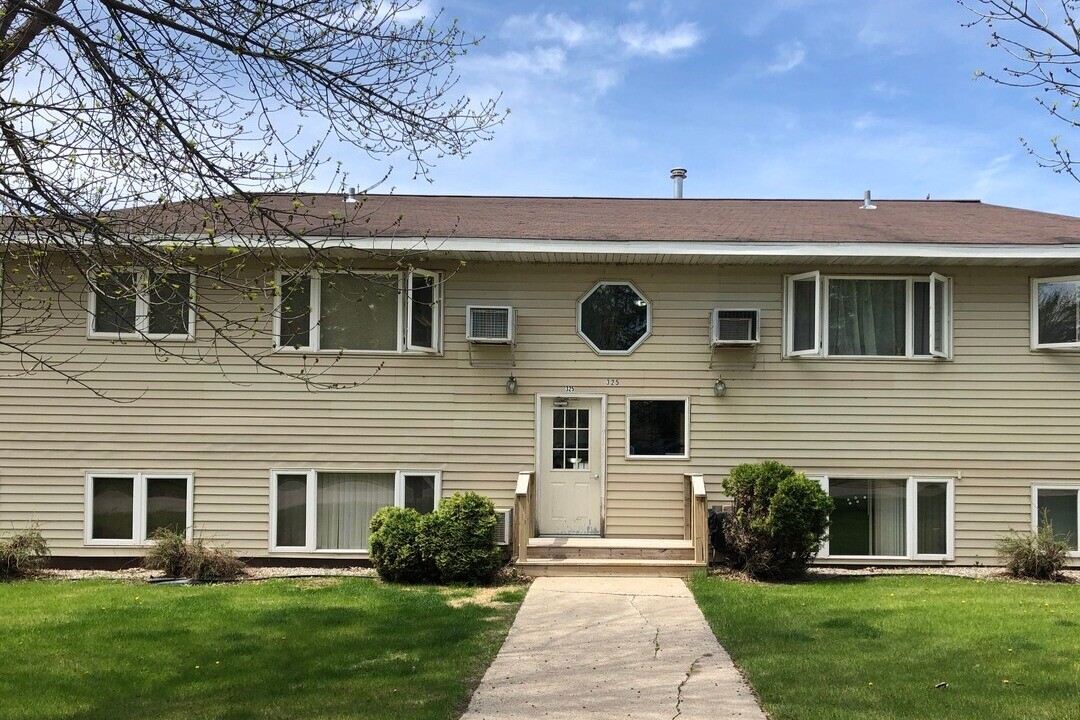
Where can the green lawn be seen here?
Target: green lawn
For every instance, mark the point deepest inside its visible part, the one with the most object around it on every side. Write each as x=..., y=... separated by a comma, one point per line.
x=848, y=648
x=328, y=648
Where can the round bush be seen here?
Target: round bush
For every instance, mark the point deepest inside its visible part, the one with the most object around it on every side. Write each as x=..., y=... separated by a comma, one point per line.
x=778, y=520
x=460, y=537
x=398, y=548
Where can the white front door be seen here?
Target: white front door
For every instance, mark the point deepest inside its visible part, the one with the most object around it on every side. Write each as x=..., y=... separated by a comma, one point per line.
x=571, y=466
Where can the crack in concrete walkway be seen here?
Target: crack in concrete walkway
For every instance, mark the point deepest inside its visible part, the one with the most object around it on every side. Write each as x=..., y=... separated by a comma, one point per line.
x=586, y=648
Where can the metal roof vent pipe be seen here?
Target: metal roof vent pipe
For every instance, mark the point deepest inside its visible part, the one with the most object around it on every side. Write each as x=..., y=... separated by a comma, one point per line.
x=678, y=175
x=866, y=204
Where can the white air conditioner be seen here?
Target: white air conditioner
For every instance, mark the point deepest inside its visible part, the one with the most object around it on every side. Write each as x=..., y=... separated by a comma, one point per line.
x=503, y=526
x=489, y=324
x=735, y=328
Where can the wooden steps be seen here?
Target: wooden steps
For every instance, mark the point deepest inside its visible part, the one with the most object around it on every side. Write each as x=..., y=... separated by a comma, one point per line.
x=609, y=556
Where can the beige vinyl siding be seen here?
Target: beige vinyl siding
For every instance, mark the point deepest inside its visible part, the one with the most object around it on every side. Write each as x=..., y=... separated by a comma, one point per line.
x=998, y=416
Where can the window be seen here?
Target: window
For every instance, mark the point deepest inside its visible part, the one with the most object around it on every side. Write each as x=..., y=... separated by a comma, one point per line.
x=890, y=518
x=1058, y=506
x=1055, y=313
x=614, y=318
x=368, y=311
x=126, y=508
x=872, y=316
x=320, y=511
x=658, y=428
x=139, y=303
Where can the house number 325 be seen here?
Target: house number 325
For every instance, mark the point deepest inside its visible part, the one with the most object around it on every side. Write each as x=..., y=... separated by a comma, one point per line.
x=612, y=382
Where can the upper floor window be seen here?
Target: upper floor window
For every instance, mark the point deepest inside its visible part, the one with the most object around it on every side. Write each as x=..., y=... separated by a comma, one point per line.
x=868, y=316
x=139, y=303
x=367, y=311
x=1055, y=312
x=614, y=318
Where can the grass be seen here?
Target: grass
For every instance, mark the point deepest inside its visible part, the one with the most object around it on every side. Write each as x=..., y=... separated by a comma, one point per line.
x=340, y=648
x=861, y=648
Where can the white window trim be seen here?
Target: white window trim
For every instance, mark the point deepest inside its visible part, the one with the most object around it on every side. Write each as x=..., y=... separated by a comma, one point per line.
x=404, y=311
x=648, y=318
x=1035, y=488
x=1035, y=344
x=138, y=520
x=910, y=518
x=311, y=500
x=822, y=318
x=142, y=309
x=686, y=427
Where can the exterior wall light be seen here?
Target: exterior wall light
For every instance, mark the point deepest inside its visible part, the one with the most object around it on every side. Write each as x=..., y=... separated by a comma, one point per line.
x=511, y=385
x=719, y=388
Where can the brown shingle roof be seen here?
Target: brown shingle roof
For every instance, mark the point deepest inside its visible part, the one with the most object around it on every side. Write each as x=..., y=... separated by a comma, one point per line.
x=438, y=216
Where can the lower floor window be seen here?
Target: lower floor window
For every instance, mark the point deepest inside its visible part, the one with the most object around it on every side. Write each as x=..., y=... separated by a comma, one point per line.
x=128, y=508
x=904, y=518
x=332, y=511
x=1059, y=507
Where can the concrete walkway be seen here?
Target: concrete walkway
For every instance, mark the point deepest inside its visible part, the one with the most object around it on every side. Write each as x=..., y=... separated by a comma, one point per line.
x=611, y=648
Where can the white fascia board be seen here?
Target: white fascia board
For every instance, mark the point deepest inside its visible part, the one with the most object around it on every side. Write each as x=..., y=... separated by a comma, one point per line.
x=701, y=248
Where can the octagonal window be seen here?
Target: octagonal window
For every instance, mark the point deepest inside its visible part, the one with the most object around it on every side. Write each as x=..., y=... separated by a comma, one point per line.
x=614, y=317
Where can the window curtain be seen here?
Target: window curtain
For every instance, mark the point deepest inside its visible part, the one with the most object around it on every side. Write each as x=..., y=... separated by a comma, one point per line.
x=346, y=504
x=291, y=511
x=867, y=317
x=888, y=500
x=359, y=312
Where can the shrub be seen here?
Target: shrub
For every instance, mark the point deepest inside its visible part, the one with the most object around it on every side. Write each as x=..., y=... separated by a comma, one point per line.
x=176, y=557
x=778, y=519
x=460, y=537
x=23, y=554
x=398, y=550
x=1034, y=555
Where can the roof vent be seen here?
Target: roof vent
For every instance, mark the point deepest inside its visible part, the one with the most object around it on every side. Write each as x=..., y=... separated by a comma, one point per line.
x=866, y=204
x=351, y=197
x=678, y=175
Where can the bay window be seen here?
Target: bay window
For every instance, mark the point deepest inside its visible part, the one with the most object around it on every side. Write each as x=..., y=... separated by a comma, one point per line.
x=890, y=518
x=330, y=511
x=135, y=303
x=1059, y=507
x=368, y=311
x=868, y=316
x=1055, y=313
x=127, y=508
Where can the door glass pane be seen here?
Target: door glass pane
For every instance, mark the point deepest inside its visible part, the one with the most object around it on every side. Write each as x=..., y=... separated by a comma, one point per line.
x=168, y=297
x=869, y=517
x=1058, y=507
x=166, y=504
x=570, y=439
x=921, y=320
x=657, y=427
x=346, y=504
x=359, y=312
x=113, y=508
x=931, y=516
x=422, y=311
x=420, y=492
x=114, y=304
x=295, y=311
x=804, y=314
x=1059, y=312
x=291, y=511
x=867, y=317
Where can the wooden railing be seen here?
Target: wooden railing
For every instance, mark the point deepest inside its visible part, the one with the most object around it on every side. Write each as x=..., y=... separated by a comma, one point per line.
x=696, y=518
x=524, y=514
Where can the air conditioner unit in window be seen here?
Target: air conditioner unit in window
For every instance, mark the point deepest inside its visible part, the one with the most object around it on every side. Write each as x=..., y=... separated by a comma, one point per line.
x=489, y=324
x=736, y=328
x=503, y=526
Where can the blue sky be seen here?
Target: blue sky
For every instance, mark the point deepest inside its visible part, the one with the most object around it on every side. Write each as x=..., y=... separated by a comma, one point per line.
x=757, y=98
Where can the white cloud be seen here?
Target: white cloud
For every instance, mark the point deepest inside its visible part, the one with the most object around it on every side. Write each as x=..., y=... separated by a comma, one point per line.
x=788, y=57
x=639, y=39
x=886, y=89
x=551, y=27
x=542, y=61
